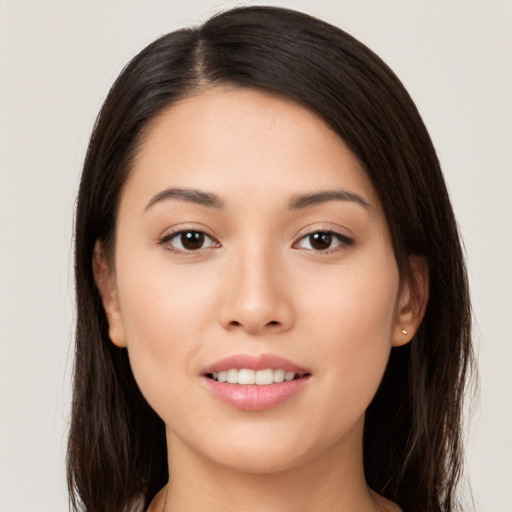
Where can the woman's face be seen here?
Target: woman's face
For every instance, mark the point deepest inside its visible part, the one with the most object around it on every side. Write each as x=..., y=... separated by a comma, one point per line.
x=250, y=238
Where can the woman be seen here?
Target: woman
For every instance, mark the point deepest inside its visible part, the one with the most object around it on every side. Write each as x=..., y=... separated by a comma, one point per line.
x=272, y=301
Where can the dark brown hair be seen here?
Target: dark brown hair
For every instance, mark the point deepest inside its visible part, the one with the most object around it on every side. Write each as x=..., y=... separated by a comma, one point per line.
x=412, y=439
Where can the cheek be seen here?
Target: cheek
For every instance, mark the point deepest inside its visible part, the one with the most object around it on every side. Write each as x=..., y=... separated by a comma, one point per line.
x=354, y=304
x=164, y=313
x=351, y=323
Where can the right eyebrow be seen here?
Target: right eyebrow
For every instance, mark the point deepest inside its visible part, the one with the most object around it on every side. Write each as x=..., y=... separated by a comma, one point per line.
x=188, y=195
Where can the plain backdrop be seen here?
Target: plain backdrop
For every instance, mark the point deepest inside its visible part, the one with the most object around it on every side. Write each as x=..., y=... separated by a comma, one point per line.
x=57, y=62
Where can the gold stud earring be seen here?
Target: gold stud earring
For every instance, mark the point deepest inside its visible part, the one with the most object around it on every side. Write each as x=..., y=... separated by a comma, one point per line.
x=404, y=331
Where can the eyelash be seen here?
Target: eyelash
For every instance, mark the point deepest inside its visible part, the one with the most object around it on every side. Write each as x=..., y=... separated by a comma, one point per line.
x=343, y=241
x=166, y=240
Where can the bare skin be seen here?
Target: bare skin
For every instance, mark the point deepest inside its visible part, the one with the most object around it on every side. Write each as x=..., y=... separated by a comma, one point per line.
x=290, y=256
x=283, y=492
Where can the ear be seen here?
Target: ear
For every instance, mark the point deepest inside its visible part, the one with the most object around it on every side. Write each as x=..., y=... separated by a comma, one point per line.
x=412, y=301
x=104, y=277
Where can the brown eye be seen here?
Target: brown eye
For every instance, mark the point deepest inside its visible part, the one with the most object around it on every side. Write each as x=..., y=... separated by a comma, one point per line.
x=187, y=241
x=192, y=240
x=320, y=241
x=324, y=241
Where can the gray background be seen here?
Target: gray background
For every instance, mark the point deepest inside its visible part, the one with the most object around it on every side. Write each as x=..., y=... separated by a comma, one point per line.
x=57, y=61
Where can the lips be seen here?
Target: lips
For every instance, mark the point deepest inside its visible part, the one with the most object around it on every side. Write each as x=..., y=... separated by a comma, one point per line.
x=255, y=383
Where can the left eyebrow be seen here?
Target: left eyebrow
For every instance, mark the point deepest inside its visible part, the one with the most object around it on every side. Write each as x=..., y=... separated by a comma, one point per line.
x=305, y=200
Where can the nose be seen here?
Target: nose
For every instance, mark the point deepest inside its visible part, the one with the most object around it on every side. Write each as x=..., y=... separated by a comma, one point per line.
x=257, y=299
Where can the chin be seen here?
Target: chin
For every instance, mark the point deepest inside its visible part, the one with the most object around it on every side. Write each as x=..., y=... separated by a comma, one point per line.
x=270, y=448
x=262, y=461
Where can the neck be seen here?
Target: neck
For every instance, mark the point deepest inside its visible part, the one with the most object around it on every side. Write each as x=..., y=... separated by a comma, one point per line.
x=333, y=481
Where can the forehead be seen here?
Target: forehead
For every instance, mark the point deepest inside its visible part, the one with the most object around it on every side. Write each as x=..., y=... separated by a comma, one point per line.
x=240, y=140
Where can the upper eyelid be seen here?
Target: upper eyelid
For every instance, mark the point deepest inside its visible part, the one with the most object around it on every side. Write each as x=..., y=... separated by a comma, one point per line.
x=323, y=230
x=326, y=227
x=179, y=230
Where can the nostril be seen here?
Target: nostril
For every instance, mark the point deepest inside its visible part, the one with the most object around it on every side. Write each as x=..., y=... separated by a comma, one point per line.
x=273, y=322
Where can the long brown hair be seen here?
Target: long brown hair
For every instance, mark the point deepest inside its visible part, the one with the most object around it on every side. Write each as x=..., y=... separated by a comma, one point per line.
x=412, y=439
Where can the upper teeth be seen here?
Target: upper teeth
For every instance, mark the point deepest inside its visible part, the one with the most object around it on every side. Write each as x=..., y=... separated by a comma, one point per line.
x=260, y=377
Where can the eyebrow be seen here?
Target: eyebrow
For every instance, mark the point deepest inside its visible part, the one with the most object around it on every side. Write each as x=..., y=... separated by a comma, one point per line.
x=188, y=195
x=297, y=202
x=304, y=201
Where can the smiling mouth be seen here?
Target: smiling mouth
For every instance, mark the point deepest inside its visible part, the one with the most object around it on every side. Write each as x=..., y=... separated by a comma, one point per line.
x=255, y=383
x=246, y=376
